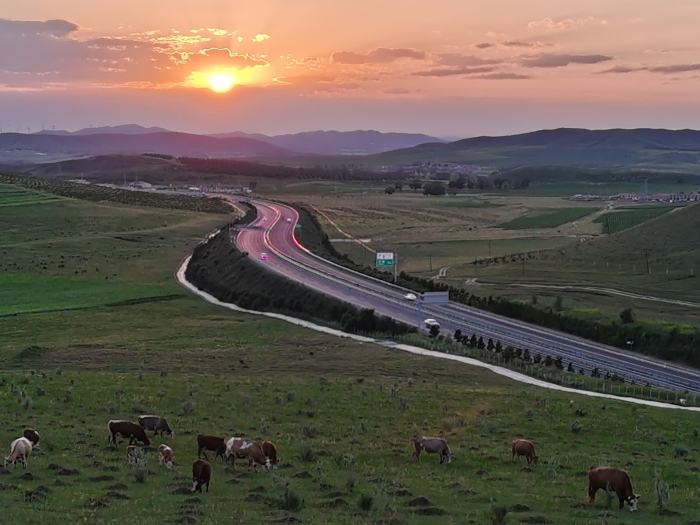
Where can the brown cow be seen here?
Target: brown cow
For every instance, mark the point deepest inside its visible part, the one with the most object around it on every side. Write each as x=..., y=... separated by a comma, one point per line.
x=20, y=450
x=126, y=429
x=166, y=455
x=32, y=435
x=270, y=450
x=619, y=481
x=432, y=445
x=523, y=447
x=201, y=475
x=213, y=443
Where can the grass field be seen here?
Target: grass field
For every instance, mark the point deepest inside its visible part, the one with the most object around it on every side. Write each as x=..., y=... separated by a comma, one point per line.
x=547, y=220
x=13, y=196
x=341, y=413
x=622, y=220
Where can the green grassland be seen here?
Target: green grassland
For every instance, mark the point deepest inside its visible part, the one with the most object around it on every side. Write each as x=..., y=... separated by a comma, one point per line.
x=547, y=220
x=353, y=406
x=621, y=220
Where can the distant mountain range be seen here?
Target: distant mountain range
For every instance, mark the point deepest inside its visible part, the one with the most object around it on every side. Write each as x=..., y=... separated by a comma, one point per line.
x=341, y=142
x=312, y=142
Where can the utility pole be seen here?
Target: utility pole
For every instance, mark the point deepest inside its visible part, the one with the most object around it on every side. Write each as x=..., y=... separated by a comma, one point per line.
x=646, y=256
x=489, y=249
x=431, y=262
x=523, y=267
x=396, y=266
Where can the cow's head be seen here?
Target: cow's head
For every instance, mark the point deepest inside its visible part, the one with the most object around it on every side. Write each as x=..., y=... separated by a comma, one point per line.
x=9, y=462
x=535, y=459
x=632, y=501
x=172, y=434
x=266, y=466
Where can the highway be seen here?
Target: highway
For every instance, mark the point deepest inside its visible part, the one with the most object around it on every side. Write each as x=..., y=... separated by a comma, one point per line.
x=286, y=256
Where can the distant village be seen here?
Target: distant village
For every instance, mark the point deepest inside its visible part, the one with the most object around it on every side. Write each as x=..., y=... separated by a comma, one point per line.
x=635, y=197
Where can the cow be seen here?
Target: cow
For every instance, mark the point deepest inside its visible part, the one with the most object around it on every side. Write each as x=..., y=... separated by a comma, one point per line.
x=247, y=449
x=32, y=435
x=213, y=443
x=165, y=455
x=157, y=424
x=133, y=455
x=270, y=451
x=126, y=429
x=523, y=447
x=619, y=481
x=20, y=450
x=431, y=445
x=201, y=475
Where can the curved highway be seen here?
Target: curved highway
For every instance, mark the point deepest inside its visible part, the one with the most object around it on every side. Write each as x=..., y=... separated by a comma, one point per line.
x=286, y=256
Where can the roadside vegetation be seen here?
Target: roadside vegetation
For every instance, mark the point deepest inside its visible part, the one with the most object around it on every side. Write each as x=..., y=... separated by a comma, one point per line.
x=614, y=222
x=547, y=220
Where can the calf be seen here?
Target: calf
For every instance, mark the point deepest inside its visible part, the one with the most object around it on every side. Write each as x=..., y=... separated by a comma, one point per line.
x=32, y=435
x=523, y=447
x=157, y=424
x=270, y=450
x=247, y=449
x=432, y=446
x=165, y=455
x=133, y=455
x=201, y=475
x=19, y=450
x=213, y=443
x=619, y=480
x=126, y=429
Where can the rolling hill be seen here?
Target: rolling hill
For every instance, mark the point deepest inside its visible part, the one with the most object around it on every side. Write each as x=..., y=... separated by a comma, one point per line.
x=169, y=143
x=642, y=148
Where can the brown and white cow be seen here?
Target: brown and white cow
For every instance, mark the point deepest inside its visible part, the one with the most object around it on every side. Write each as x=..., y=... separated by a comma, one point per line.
x=133, y=455
x=270, y=450
x=166, y=455
x=20, y=450
x=212, y=443
x=619, y=480
x=32, y=435
x=126, y=429
x=523, y=447
x=431, y=445
x=201, y=475
x=243, y=448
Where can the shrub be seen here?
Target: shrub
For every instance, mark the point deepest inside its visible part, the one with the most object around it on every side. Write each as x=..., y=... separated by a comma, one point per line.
x=278, y=400
x=366, y=502
x=189, y=406
x=309, y=401
x=609, y=496
x=306, y=453
x=661, y=489
x=27, y=403
x=403, y=404
x=309, y=431
x=141, y=475
x=680, y=451
x=59, y=371
x=291, y=501
x=576, y=427
x=160, y=394
x=351, y=481
x=111, y=407
x=68, y=395
x=498, y=513
x=696, y=432
x=40, y=392
x=290, y=395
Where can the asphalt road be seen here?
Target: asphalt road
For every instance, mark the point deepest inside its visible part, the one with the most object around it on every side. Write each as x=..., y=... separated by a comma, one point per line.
x=286, y=256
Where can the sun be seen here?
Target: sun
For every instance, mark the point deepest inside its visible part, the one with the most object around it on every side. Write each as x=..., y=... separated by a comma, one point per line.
x=221, y=82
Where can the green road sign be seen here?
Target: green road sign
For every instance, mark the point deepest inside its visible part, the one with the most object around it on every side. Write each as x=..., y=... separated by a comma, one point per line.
x=385, y=259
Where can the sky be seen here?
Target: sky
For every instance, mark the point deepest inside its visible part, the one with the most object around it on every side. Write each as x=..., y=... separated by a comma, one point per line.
x=455, y=68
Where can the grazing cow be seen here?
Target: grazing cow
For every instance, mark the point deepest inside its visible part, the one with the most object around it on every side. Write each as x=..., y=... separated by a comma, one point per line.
x=246, y=449
x=523, y=447
x=126, y=429
x=133, y=455
x=431, y=445
x=157, y=424
x=201, y=475
x=165, y=455
x=32, y=435
x=619, y=480
x=213, y=443
x=19, y=450
x=270, y=450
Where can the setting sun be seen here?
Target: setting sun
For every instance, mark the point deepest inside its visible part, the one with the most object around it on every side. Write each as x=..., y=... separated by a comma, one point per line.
x=221, y=82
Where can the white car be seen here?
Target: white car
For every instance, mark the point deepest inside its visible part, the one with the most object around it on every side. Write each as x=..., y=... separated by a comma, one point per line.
x=410, y=297
x=429, y=323
x=289, y=220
